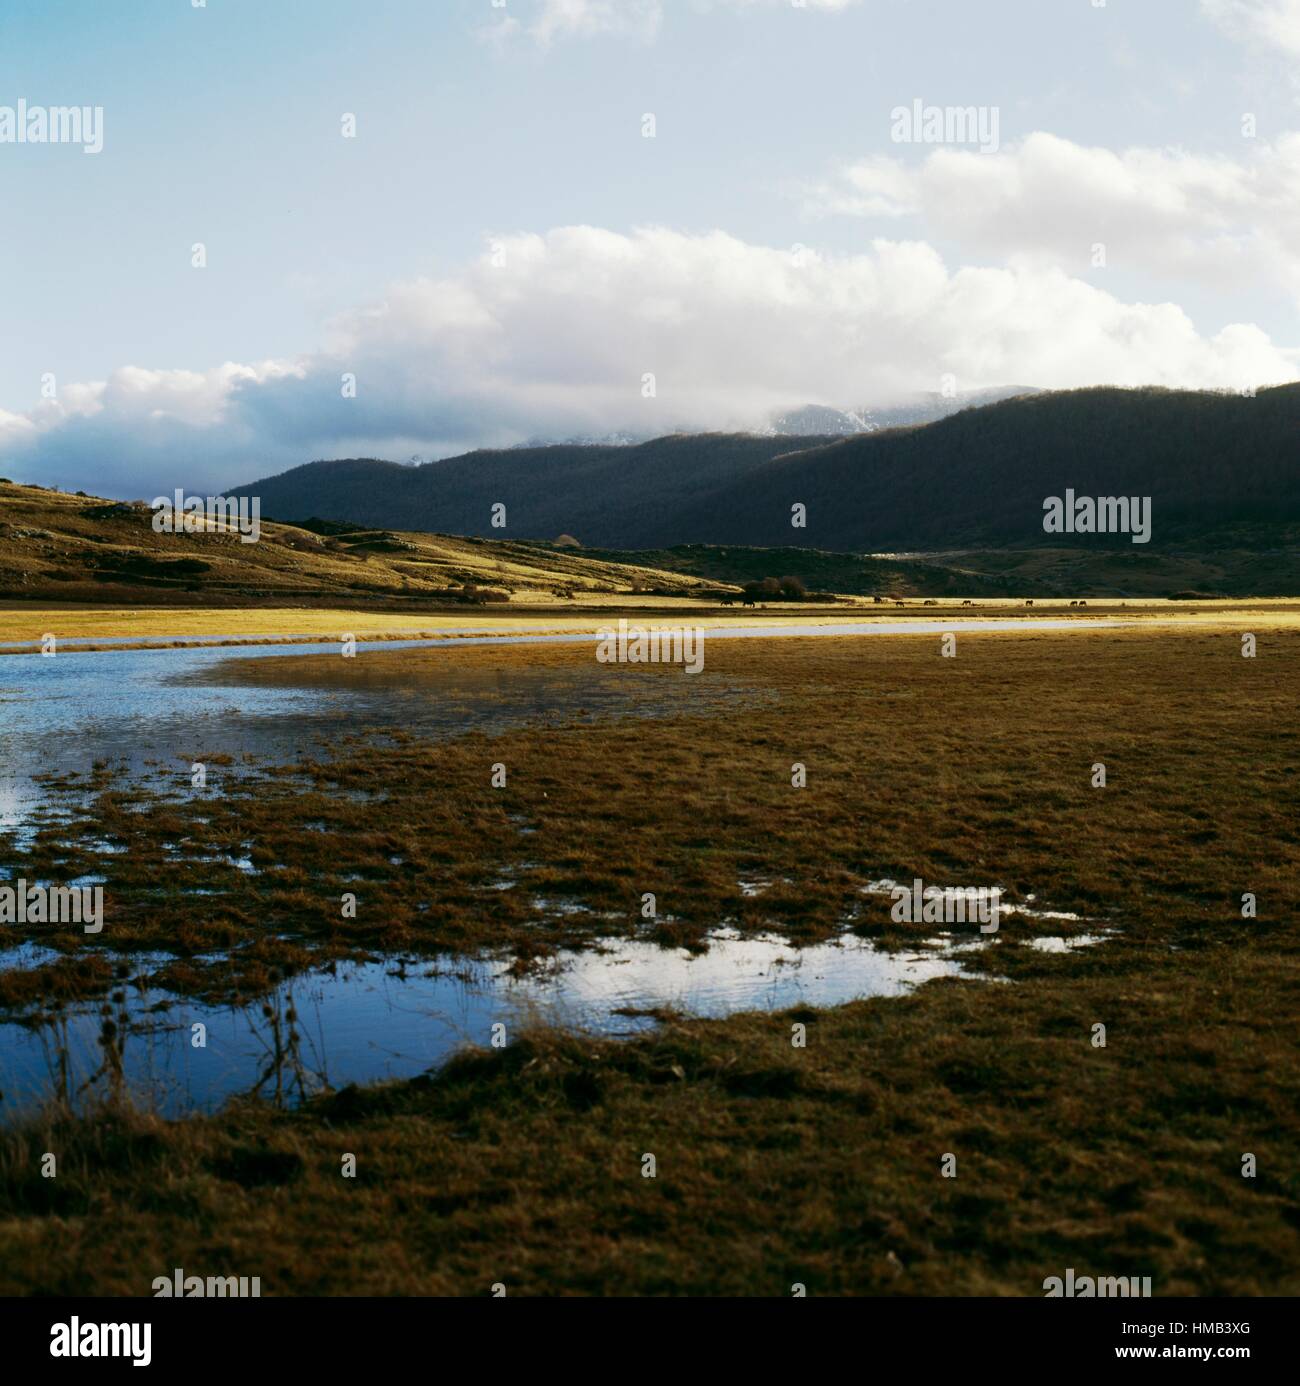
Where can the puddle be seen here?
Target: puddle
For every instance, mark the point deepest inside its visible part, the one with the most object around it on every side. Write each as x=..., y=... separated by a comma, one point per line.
x=1066, y=945
x=946, y=894
x=397, y=1018
x=568, y=908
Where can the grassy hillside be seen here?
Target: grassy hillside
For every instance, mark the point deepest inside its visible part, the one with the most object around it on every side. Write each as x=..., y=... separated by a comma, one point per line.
x=76, y=548
x=55, y=546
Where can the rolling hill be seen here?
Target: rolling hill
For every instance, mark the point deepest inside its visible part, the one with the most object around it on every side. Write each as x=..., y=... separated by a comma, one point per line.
x=78, y=548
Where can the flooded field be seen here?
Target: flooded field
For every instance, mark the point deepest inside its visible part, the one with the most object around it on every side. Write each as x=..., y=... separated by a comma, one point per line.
x=678, y=903
x=141, y=717
x=140, y=709
x=148, y=714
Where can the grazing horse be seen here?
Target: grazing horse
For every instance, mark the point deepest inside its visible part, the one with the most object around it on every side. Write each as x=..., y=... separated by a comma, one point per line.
x=1083, y=603
x=1030, y=602
x=968, y=602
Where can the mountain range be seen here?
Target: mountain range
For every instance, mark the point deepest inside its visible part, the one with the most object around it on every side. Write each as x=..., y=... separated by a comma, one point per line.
x=1219, y=469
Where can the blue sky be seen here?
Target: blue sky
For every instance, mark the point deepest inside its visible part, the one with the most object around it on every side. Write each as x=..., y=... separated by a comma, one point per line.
x=519, y=128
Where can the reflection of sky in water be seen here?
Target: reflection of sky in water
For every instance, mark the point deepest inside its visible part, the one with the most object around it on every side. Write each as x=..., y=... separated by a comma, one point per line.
x=364, y=1024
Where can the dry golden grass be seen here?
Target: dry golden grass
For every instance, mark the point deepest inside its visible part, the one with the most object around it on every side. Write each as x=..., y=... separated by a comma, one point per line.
x=30, y=621
x=973, y=770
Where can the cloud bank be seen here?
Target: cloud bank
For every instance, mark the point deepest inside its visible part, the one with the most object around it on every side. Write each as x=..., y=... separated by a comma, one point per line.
x=559, y=334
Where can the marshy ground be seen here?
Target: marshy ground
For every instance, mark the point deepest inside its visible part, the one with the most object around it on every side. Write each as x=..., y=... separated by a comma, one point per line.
x=775, y=1163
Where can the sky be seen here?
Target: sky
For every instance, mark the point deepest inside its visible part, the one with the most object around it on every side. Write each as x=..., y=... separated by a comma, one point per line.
x=295, y=229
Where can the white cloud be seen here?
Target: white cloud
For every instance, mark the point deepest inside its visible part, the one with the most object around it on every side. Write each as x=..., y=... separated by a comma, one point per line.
x=556, y=339
x=195, y=398
x=16, y=431
x=546, y=21
x=1275, y=23
x=1047, y=201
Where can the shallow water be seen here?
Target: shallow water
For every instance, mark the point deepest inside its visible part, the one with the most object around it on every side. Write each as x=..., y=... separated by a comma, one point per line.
x=59, y=715
x=388, y=1019
x=140, y=709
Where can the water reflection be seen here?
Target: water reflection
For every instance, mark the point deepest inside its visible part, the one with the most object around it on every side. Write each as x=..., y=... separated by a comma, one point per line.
x=365, y=1022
